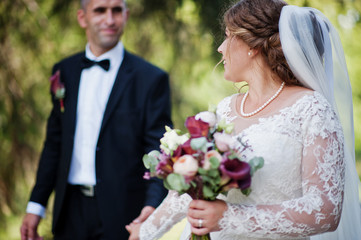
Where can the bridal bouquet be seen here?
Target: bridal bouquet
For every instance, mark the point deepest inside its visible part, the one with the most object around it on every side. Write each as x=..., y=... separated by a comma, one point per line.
x=203, y=162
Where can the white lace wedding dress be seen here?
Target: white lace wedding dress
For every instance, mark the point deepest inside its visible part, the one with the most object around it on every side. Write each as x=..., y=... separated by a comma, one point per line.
x=298, y=192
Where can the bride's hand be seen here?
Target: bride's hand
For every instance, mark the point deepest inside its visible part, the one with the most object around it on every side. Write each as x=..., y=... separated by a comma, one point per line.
x=208, y=213
x=133, y=230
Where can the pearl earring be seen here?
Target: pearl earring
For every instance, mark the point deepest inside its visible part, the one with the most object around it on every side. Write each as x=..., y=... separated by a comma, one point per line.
x=249, y=53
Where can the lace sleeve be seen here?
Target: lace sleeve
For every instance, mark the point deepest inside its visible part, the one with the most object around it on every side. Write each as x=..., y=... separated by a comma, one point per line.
x=319, y=208
x=172, y=210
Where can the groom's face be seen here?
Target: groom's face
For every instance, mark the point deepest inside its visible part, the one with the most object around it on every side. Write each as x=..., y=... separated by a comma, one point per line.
x=104, y=22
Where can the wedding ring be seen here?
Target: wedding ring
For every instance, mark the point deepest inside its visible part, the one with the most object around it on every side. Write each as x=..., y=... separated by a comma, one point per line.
x=200, y=223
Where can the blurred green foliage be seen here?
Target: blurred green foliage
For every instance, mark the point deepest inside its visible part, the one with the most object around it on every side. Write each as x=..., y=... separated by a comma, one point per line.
x=180, y=36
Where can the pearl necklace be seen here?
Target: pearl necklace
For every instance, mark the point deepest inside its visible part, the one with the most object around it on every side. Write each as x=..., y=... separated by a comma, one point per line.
x=261, y=107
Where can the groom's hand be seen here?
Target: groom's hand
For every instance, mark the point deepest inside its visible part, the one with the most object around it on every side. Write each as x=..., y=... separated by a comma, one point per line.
x=29, y=227
x=133, y=227
x=144, y=214
x=133, y=230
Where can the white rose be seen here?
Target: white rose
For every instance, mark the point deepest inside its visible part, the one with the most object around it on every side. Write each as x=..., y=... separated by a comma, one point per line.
x=208, y=117
x=224, y=142
x=171, y=140
x=186, y=166
x=208, y=155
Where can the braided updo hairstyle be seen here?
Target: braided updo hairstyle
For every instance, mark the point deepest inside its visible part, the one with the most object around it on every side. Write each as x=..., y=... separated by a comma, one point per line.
x=256, y=23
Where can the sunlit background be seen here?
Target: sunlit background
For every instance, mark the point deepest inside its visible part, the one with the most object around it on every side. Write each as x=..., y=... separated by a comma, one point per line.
x=180, y=36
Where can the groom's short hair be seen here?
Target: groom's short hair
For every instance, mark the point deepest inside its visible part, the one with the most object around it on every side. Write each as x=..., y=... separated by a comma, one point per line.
x=83, y=3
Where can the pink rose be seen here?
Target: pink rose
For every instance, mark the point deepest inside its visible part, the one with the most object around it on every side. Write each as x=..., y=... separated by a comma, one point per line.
x=186, y=165
x=207, y=157
x=224, y=142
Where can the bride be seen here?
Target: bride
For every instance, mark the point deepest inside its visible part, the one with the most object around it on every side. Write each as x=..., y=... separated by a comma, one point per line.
x=297, y=115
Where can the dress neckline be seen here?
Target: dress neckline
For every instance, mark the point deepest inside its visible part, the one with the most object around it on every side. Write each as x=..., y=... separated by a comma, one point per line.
x=253, y=121
x=233, y=106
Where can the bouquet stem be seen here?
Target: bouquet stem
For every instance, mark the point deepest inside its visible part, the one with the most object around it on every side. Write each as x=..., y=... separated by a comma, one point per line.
x=203, y=237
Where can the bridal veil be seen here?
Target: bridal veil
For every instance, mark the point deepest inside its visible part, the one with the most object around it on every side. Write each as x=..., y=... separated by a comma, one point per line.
x=314, y=53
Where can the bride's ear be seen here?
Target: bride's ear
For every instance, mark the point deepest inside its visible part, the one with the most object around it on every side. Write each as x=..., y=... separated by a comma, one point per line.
x=253, y=52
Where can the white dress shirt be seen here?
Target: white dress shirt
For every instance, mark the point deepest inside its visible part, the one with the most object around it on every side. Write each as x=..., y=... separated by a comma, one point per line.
x=94, y=90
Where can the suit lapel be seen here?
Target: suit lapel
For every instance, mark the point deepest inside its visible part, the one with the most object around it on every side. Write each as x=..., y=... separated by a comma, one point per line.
x=73, y=77
x=123, y=78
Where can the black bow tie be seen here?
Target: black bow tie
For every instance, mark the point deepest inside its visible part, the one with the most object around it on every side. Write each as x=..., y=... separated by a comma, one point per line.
x=87, y=63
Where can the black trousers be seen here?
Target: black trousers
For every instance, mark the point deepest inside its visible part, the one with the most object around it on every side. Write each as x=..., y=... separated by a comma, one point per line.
x=79, y=219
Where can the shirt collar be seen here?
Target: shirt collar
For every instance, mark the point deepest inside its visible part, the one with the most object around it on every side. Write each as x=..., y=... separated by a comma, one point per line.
x=115, y=55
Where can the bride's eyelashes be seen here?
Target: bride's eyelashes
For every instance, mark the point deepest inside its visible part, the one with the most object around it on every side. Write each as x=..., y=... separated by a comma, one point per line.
x=226, y=35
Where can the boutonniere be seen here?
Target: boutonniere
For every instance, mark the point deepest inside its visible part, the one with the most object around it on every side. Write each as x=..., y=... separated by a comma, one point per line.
x=58, y=89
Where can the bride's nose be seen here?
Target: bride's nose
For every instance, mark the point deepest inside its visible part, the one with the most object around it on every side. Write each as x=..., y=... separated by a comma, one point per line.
x=220, y=48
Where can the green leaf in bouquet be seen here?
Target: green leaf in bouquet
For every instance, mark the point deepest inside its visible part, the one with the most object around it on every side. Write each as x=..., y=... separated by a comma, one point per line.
x=214, y=173
x=225, y=193
x=217, y=181
x=199, y=144
x=214, y=182
x=211, y=132
x=154, y=153
x=233, y=155
x=247, y=191
x=224, y=126
x=205, y=178
x=202, y=171
x=229, y=128
x=208, y=193
x=177, y=182
x=168, y=129
x=150, y=160
x=166, y=184
x=214, y=162
x=256, y=163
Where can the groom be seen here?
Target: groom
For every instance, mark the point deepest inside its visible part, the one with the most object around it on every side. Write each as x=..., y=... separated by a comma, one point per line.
x=114, y=110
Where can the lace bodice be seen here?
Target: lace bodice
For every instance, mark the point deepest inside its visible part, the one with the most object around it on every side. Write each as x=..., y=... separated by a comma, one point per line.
x=298, y=192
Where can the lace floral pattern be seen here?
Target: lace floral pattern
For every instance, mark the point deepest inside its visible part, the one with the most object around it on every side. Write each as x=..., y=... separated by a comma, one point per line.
x=172, y=210
x=224, y=109
x=298, y=192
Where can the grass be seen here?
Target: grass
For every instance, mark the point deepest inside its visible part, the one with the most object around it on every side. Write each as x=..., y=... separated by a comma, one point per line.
x=176, y=231
x=13, y=224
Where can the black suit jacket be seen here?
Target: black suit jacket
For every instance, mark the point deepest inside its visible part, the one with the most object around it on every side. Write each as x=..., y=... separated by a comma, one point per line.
x=136, y=113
